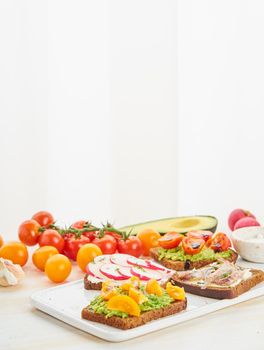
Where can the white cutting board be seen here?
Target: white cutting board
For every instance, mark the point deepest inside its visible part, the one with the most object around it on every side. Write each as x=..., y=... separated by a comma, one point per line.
x=66, y=301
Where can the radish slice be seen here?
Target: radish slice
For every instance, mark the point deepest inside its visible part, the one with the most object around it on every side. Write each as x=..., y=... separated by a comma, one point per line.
x=112, y=271
x=125, y=271
x=93, y=270
x=102, y=259
x=137, y=262
x=145, y=274
x=154, y=266
x=120, y=259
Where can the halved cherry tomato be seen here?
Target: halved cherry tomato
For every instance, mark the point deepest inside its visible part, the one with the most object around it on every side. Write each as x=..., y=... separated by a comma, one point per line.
x=73, y=243
x=53, y=238
x=107, y=244
x=80, y=225
x=41, y=256
x=44, y=218
x=153, y=287
x=175, y=292
x=58, y=268
x=170, y=240
x=192, y=245
x=132, y=246
x=28, y=232
x=124, y=303
x=86, y=254
x=149, y=239
x=219, y=242
x=205, y=235
x=15, y=251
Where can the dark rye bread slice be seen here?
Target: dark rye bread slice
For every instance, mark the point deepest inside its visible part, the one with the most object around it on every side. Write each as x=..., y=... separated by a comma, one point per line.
x=221, y=292
x=133, y=321
x=91, y=285
x=186, y=265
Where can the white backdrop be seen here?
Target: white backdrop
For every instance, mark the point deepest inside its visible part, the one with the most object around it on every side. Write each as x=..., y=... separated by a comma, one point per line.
x=130, y=110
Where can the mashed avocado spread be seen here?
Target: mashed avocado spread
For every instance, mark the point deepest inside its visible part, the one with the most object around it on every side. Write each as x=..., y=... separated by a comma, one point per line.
x=179, y=255
x=99, y=305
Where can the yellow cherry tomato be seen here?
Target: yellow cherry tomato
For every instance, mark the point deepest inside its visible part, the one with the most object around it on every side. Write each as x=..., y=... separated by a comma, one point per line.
x=42, y=254
x=149, y=239
x=1, y=241
x=86, y=254
x=125, y=304
x=15, y=251
x=175, y=292
x=152, y=287
x=58, y=267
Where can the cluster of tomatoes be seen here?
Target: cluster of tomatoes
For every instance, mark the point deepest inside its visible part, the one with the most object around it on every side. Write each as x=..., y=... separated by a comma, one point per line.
x=195, y=241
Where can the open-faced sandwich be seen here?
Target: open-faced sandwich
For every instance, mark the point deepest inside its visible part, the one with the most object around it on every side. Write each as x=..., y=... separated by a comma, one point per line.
x=121, y=267
x=195, y=250
x=133, y=304
x=219, y=280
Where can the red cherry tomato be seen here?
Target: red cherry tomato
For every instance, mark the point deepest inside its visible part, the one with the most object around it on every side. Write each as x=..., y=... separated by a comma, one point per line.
x=205, y=235
x=53, y=238
x=107, y=244
x=219, y=242
x=192, y=245
x=132, y=245
x=170, y=240
x=28, y=232
x=81, y=224
x=73, y=243
x=44, y=218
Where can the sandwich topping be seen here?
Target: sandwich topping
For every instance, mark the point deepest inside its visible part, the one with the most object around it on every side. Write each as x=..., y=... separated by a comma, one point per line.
x=219, y=274
x=132, y=298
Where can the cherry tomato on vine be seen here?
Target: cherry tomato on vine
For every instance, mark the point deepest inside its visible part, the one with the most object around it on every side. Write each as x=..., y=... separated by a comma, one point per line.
x=15, y=251
x=42, y=254
x=107, y=244
x=72, y=244
x=170, y=240
x=79, y=225
x=28, y=232
x=192, y=245
x=53, y=238
x=219, y=242
x=58, y=268
x=132, y=245
x=44, y=218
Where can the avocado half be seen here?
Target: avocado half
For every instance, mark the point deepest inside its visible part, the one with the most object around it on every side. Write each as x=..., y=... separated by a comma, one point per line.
x=181, y=224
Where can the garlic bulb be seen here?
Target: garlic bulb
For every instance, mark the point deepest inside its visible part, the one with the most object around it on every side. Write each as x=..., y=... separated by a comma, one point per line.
x=10, y=274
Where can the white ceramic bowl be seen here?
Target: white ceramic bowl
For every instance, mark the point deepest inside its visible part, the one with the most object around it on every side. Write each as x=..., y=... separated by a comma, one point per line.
x=249, y=243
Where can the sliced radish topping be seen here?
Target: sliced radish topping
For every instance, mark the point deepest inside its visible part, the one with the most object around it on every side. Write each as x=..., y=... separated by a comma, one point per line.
x=102, y=259
x=120, y=259
x=93, y=270
x=126, y=272
x=112, y=271
x=137, y=262
x=145, y=274
x=154, y=266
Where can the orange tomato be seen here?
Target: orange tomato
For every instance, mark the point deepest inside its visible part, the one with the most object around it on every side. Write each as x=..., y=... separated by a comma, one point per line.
x=175, y=292
x=152, y=287
x=58, y=267
x=125, y=304
x=1, y=241
x=42, y=254
x=149, y=239
x=86, y=254
x=15, y=251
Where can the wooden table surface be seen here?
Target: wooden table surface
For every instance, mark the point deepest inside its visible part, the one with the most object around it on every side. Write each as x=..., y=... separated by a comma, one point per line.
x=24, y=327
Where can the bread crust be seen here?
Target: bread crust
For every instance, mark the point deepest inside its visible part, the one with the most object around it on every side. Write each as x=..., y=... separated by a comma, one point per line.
x=181, y=265
x=221, y=293
x=133, y=321
x=90, y=285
